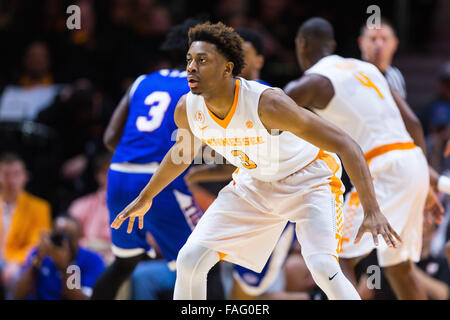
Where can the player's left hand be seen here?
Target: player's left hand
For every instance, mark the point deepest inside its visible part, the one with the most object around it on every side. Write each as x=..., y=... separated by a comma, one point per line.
x=433, y=211
x=376, y=223
x=136, y=209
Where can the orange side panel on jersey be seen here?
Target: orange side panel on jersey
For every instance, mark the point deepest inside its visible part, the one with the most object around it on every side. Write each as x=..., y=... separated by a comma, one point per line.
x=224, y=123
x=378, y=151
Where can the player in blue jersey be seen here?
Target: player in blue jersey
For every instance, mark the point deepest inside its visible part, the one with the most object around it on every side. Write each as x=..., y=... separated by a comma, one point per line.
x=140, y=133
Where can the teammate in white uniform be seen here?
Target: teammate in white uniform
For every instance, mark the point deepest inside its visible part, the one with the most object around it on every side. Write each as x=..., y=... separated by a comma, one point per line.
x=356, y=97
x=281, y=177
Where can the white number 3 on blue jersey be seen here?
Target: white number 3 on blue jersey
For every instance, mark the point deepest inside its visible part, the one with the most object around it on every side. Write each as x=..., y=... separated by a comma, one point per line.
x=158, y=101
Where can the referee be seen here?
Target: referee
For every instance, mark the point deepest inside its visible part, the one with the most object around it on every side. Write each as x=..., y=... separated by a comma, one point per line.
x=378, y=46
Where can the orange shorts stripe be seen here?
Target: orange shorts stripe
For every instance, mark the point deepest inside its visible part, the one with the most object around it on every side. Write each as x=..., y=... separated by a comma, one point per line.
x=221, y=255
x=336, y=188
x=378, y=151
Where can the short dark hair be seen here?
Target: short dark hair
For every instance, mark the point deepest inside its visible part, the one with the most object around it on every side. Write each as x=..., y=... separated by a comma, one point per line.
x=384, y=21
x=227, y=41
x=68, y=216
x=316, y=28
x=176, y=42
x=10, y=157
x=253, y=37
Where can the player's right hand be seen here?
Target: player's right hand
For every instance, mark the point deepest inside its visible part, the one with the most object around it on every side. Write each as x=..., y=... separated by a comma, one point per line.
x=377, y=224
x=137, y=208
x=433, y=211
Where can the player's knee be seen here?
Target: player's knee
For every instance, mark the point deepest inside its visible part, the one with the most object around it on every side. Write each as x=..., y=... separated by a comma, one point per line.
x=187, y=259
x=194, y=258
x=322, y=266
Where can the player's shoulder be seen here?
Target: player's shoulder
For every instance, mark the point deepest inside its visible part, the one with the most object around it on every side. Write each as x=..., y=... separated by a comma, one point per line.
x=251, y=89
x=167, y=75
x=163, y=75
x=171, y=80
x=182, y=105
x=365, y=65
x=253, y=84
x=270, y=100
x=180, y=114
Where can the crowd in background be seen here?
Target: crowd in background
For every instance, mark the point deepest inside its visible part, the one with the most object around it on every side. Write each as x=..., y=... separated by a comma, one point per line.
x=59, y=88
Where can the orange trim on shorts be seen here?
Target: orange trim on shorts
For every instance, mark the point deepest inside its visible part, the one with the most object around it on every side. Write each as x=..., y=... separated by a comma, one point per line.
x=378, y=151
x=336, y=188
x=221, y=255
x=224, y=123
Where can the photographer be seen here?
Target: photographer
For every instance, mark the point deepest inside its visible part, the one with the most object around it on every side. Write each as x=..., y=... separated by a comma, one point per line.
x=46, y=274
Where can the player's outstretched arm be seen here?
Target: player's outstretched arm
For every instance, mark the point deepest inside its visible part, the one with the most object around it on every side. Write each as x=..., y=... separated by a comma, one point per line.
x=278, y=111
x=175, y=162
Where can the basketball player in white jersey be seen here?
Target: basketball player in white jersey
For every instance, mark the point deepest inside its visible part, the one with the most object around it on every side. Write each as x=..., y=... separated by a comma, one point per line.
x=356, y=97
x=282, y=177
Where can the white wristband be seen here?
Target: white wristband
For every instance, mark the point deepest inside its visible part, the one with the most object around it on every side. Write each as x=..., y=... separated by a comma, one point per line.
x=444, y=184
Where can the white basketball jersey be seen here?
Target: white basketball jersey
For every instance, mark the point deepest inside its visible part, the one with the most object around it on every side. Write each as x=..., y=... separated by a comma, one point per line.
x=243, y=140
x=362, y=105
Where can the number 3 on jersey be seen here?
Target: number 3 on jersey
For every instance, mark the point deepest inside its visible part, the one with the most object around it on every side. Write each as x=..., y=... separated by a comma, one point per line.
x=245, y=161
x=158, y=101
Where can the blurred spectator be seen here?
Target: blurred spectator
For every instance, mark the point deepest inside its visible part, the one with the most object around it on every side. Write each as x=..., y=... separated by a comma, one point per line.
x=79, y=116
x=437, y=122
x=35, y=89
x=46, y=274
x=253, y=53
x=433, y=271
x=153, y=279
x=233, y=12
x=83, y=60
x=23, y=217
x=378, y=47
x=92, y=213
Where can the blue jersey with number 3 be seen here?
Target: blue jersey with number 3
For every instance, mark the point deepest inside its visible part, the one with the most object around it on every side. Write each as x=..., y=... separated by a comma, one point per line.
x=150, y=128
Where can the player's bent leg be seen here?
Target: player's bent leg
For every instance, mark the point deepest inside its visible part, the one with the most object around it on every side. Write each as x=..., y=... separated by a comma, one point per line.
x=328, y=275
x=403, y=281
x=112, y=278
x=193, y=264
x=348, y=268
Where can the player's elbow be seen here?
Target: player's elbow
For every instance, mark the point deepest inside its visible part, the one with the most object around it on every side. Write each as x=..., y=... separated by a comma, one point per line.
x=348, y=148
x=109, y=141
